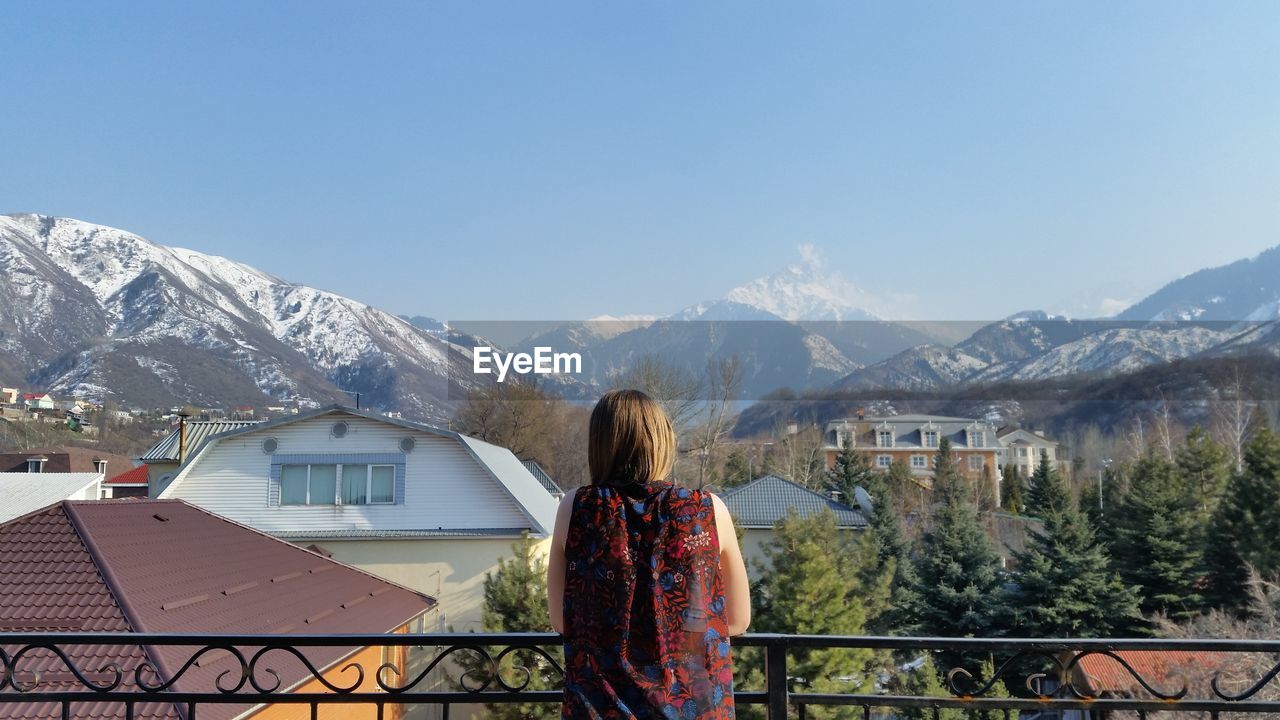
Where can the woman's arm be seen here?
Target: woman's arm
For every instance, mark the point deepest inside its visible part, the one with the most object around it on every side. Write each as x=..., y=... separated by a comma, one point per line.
x=733, y=572
x=555, y=563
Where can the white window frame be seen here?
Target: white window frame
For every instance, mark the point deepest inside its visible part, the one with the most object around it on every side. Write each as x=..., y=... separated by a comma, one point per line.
x=978, y=435
x=35, y=466
x=926, y=435
x=368, y=484
x=884, y=461
x=976, y=462
x=880, y=438
x=337, y=489
x=919, y=462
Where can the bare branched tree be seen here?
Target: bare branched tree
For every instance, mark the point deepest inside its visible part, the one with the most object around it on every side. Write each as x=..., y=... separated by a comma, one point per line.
x=724, y=377
x=677, y=390
x=1233, y=420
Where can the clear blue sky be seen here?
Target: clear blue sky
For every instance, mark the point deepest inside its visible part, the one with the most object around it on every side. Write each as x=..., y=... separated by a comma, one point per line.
x=535, y=160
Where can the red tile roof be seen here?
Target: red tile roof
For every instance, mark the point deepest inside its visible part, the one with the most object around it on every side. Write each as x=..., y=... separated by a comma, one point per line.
x=1165, y=670
x=94, y=566
x=135, y=476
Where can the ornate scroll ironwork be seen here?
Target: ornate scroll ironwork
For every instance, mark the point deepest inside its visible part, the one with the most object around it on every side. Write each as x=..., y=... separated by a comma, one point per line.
x=253, y=670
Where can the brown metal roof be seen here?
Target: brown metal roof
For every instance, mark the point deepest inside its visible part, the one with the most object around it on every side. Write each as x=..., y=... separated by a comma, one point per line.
x=50, y=583
x=167, y=566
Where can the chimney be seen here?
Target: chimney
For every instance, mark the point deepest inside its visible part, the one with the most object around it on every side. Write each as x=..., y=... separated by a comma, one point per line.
x=862, y=413
x=182, y=436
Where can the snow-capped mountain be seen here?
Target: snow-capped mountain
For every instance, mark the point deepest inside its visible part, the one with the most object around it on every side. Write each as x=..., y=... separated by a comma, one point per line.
x=1247, y=289
x=809, y=290
x=90, y=310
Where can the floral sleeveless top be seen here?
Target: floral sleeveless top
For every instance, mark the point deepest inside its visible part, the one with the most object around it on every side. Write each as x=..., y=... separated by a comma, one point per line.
x=645, y=629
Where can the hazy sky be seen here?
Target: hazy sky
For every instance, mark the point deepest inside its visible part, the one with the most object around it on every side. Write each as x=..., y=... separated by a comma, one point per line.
x=534, y=160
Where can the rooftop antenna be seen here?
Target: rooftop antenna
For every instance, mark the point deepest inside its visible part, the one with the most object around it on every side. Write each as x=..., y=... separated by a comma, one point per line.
x=356, y=394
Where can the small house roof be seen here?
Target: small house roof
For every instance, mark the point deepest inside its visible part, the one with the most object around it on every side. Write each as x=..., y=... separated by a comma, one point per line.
x=25, y=492
x=1165, y=670
x=764, y=501
x=197, y=432
x=532, y=499
x=136, y=476
x=92, y=566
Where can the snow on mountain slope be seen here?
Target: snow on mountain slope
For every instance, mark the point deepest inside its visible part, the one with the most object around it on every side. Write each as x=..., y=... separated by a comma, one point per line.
x=1114, y=350
x=292, y=341
x=1247, y=289
x=806, y=291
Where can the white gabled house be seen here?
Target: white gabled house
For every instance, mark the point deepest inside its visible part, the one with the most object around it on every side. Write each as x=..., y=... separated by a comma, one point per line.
x=428, y=508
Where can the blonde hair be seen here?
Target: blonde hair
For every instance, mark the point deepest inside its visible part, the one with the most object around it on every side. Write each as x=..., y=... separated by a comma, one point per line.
x=630, y=440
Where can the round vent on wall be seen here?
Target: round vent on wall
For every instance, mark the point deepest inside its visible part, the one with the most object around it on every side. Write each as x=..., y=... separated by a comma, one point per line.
x=270, y=445
x=339, y=429
x=406, y=444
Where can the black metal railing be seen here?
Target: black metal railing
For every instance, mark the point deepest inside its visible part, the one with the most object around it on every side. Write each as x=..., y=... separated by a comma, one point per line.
x=60, y=674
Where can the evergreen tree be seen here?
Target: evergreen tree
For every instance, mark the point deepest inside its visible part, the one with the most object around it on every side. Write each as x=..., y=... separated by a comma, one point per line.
x=1065, y=584
x=924, y=681
x=1048, y=493
x=1011, y=489
x=960, y=579
x=737, y=469
x=820, y=580
x=515, y=600
x=1205, y=469
x=984, y=493
x=1244, y=530
x=894, y=560
x=851, y=470
x=1157, y=542
x=998, y=690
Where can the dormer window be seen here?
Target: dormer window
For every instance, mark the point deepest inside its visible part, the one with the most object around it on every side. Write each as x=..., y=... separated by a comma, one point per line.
x=930, y=438
x=884, y=438
x=36, y=465
x=100, y=466
x=977, y=438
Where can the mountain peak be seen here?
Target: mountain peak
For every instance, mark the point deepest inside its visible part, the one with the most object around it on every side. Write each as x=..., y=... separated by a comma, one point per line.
x=807, y=290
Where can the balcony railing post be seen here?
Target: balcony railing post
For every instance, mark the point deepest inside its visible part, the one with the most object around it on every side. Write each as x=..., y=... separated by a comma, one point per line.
x=775, y=678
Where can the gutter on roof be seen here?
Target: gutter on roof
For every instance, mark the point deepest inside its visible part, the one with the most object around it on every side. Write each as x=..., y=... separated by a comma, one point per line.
x=113, y=583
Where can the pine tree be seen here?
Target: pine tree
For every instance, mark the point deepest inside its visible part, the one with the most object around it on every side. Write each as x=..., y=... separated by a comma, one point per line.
x=851, y=470
x=894, y=560
x=816, y=581
x=1205, y=469
x=1011, y=489
x=997, y=690
x=1047, y=493
x=1065, y=584
x=924, y=681
x=1157, y=542
x=515, y=600
x=960, y=577
x=1243, y=531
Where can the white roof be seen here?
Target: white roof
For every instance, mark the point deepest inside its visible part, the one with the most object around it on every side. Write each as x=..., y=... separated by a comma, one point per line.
x=28, y=492
x=532, y=497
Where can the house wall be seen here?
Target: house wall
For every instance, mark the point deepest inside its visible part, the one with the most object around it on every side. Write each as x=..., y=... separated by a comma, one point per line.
x=444, y=486
x=451, y=570
x=753, y=542
x=370, y=658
